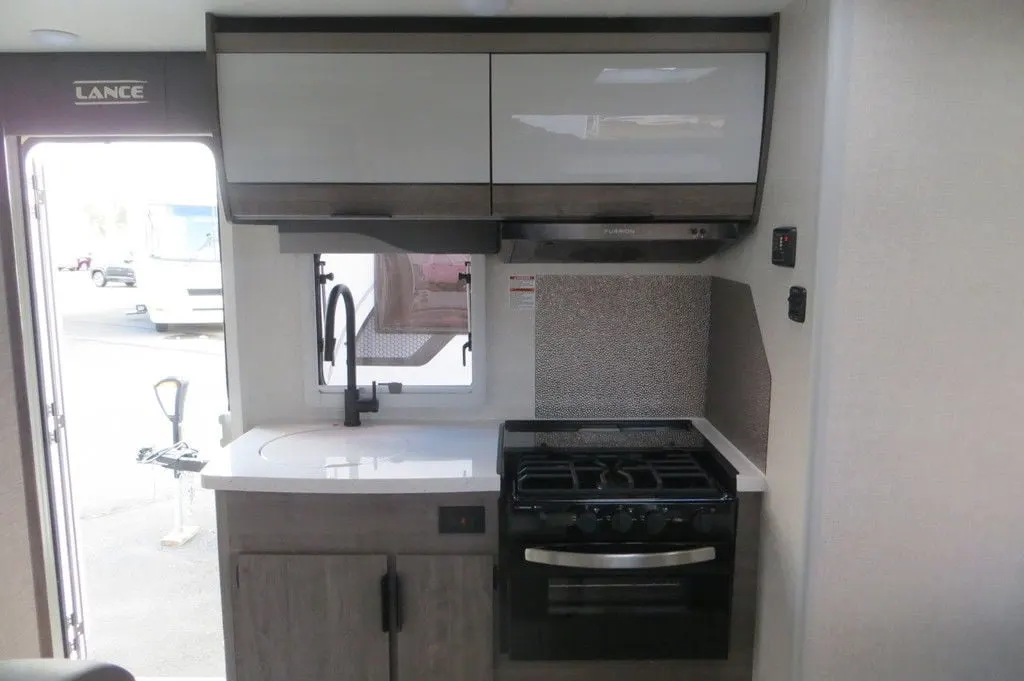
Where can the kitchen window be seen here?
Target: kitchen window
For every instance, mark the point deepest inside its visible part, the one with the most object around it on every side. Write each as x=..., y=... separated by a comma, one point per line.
x=413, y=317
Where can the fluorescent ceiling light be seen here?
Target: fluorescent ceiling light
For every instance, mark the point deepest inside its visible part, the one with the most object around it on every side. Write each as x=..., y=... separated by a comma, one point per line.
x=52, y=37
x=486, y=8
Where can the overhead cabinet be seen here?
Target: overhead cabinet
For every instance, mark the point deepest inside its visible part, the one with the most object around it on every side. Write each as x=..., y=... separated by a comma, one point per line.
x=627, y=134
x=449, y=119
x=355, y=134
x=627, y=118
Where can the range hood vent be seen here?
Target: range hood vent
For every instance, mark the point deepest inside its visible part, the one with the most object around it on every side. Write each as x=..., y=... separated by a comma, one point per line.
x=389, y=235
x=616, y=242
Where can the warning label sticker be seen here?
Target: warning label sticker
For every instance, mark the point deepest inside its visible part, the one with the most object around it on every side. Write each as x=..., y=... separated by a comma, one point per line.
x=522, y=292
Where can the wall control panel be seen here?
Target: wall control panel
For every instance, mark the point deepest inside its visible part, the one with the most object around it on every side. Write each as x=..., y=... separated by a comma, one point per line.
x=798, y=304
x=461, y=520
x=784, y=246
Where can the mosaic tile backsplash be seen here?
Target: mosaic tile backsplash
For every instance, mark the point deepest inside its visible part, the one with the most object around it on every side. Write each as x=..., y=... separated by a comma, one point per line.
x=622, y=346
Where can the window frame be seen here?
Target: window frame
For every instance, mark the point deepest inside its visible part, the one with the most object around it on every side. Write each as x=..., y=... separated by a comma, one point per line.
x=412, y=397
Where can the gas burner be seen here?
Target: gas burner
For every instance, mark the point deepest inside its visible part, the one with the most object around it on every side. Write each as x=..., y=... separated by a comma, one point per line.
x=656, y=473
x=615, y=478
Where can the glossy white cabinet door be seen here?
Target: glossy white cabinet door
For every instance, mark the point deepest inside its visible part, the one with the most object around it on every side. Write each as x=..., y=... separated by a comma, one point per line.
x=627, y=118
x=354, y=118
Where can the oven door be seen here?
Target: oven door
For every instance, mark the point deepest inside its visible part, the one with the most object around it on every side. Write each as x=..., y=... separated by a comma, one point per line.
x=619, y=602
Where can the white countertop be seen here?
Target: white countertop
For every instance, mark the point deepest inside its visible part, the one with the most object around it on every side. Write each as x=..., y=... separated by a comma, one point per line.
x=389, y=458
x=375, y=458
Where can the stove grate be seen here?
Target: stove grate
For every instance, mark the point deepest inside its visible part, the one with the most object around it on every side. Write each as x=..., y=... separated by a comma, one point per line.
x=614, y=473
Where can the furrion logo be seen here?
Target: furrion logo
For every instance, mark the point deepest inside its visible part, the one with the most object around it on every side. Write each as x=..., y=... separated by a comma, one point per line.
x=109, y=92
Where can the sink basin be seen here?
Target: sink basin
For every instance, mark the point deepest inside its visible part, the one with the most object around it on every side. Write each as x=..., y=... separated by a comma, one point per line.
x=325, y=448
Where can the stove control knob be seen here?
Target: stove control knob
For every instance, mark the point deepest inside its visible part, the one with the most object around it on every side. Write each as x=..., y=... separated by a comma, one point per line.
x=622, y=521
x=586, y=522
x=703, y=522
x=656, y=522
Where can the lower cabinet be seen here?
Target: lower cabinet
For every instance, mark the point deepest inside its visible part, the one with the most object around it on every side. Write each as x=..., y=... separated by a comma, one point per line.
x=337, y=617
x=448, y=625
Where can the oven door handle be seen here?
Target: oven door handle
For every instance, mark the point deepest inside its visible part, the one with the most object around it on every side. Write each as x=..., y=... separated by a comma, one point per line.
x=620, y=561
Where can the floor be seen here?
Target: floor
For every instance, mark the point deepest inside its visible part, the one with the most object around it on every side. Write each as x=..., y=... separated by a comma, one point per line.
x=152, y=609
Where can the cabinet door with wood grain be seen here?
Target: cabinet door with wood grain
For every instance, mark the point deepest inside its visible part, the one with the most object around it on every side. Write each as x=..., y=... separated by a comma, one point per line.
x=447, y=628
x=310, y=618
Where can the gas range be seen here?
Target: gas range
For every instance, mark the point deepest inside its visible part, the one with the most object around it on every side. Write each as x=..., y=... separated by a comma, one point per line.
x=616, y=541
x=635, y=480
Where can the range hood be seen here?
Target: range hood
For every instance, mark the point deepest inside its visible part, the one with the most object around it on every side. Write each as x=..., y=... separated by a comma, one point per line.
x=615, y=242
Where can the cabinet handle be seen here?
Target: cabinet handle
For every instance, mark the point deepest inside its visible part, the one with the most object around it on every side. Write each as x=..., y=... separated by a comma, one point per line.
x=385, y=603
x=362, y=214
x=624, y=213
x=399, y=615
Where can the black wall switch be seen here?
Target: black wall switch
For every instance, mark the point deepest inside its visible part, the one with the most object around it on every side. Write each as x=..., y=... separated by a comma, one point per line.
x=798, y=304
x=784, y=246
x=461, y=520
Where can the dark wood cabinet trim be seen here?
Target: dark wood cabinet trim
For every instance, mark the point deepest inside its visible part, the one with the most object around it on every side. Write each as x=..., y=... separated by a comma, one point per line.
x=771, y=80
x=494, y=35
x=259, y=201
x=493, y=43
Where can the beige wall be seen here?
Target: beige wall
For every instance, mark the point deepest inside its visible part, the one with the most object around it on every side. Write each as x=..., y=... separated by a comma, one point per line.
x=916, y=549
x=791, y=198
x=20, y=634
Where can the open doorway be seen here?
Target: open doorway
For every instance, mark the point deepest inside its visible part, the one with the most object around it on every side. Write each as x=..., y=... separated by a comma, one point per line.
x=127, y=286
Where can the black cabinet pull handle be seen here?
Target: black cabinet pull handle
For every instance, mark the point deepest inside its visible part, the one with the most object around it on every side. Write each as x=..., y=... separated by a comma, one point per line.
x=399, y=616
x=385, y=603
x=362, y=214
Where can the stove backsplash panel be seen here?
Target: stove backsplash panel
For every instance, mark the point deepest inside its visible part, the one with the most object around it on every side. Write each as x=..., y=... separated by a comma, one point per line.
x=739, y=378
x=624, y=346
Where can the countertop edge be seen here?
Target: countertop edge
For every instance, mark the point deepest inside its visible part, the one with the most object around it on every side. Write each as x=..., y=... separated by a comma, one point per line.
x=331, y=486
x=749, y=477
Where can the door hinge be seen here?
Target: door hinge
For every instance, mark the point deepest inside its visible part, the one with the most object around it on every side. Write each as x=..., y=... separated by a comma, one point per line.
x=238, y=578
x=58, y=422
x=38, y=195
x=58, y=417
x=75, y=632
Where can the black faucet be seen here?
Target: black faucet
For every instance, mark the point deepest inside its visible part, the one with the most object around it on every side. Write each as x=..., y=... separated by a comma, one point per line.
x=354, y=403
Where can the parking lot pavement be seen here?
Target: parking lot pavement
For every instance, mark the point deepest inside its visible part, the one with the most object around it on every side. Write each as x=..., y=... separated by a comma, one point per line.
x=153, y=609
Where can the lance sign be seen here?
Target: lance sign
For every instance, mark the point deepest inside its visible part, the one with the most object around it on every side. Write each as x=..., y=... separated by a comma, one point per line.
x=136, y=93
x=109, y=92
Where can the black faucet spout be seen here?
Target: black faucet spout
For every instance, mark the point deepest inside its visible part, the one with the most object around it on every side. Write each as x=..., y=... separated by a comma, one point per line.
x=355, y=404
